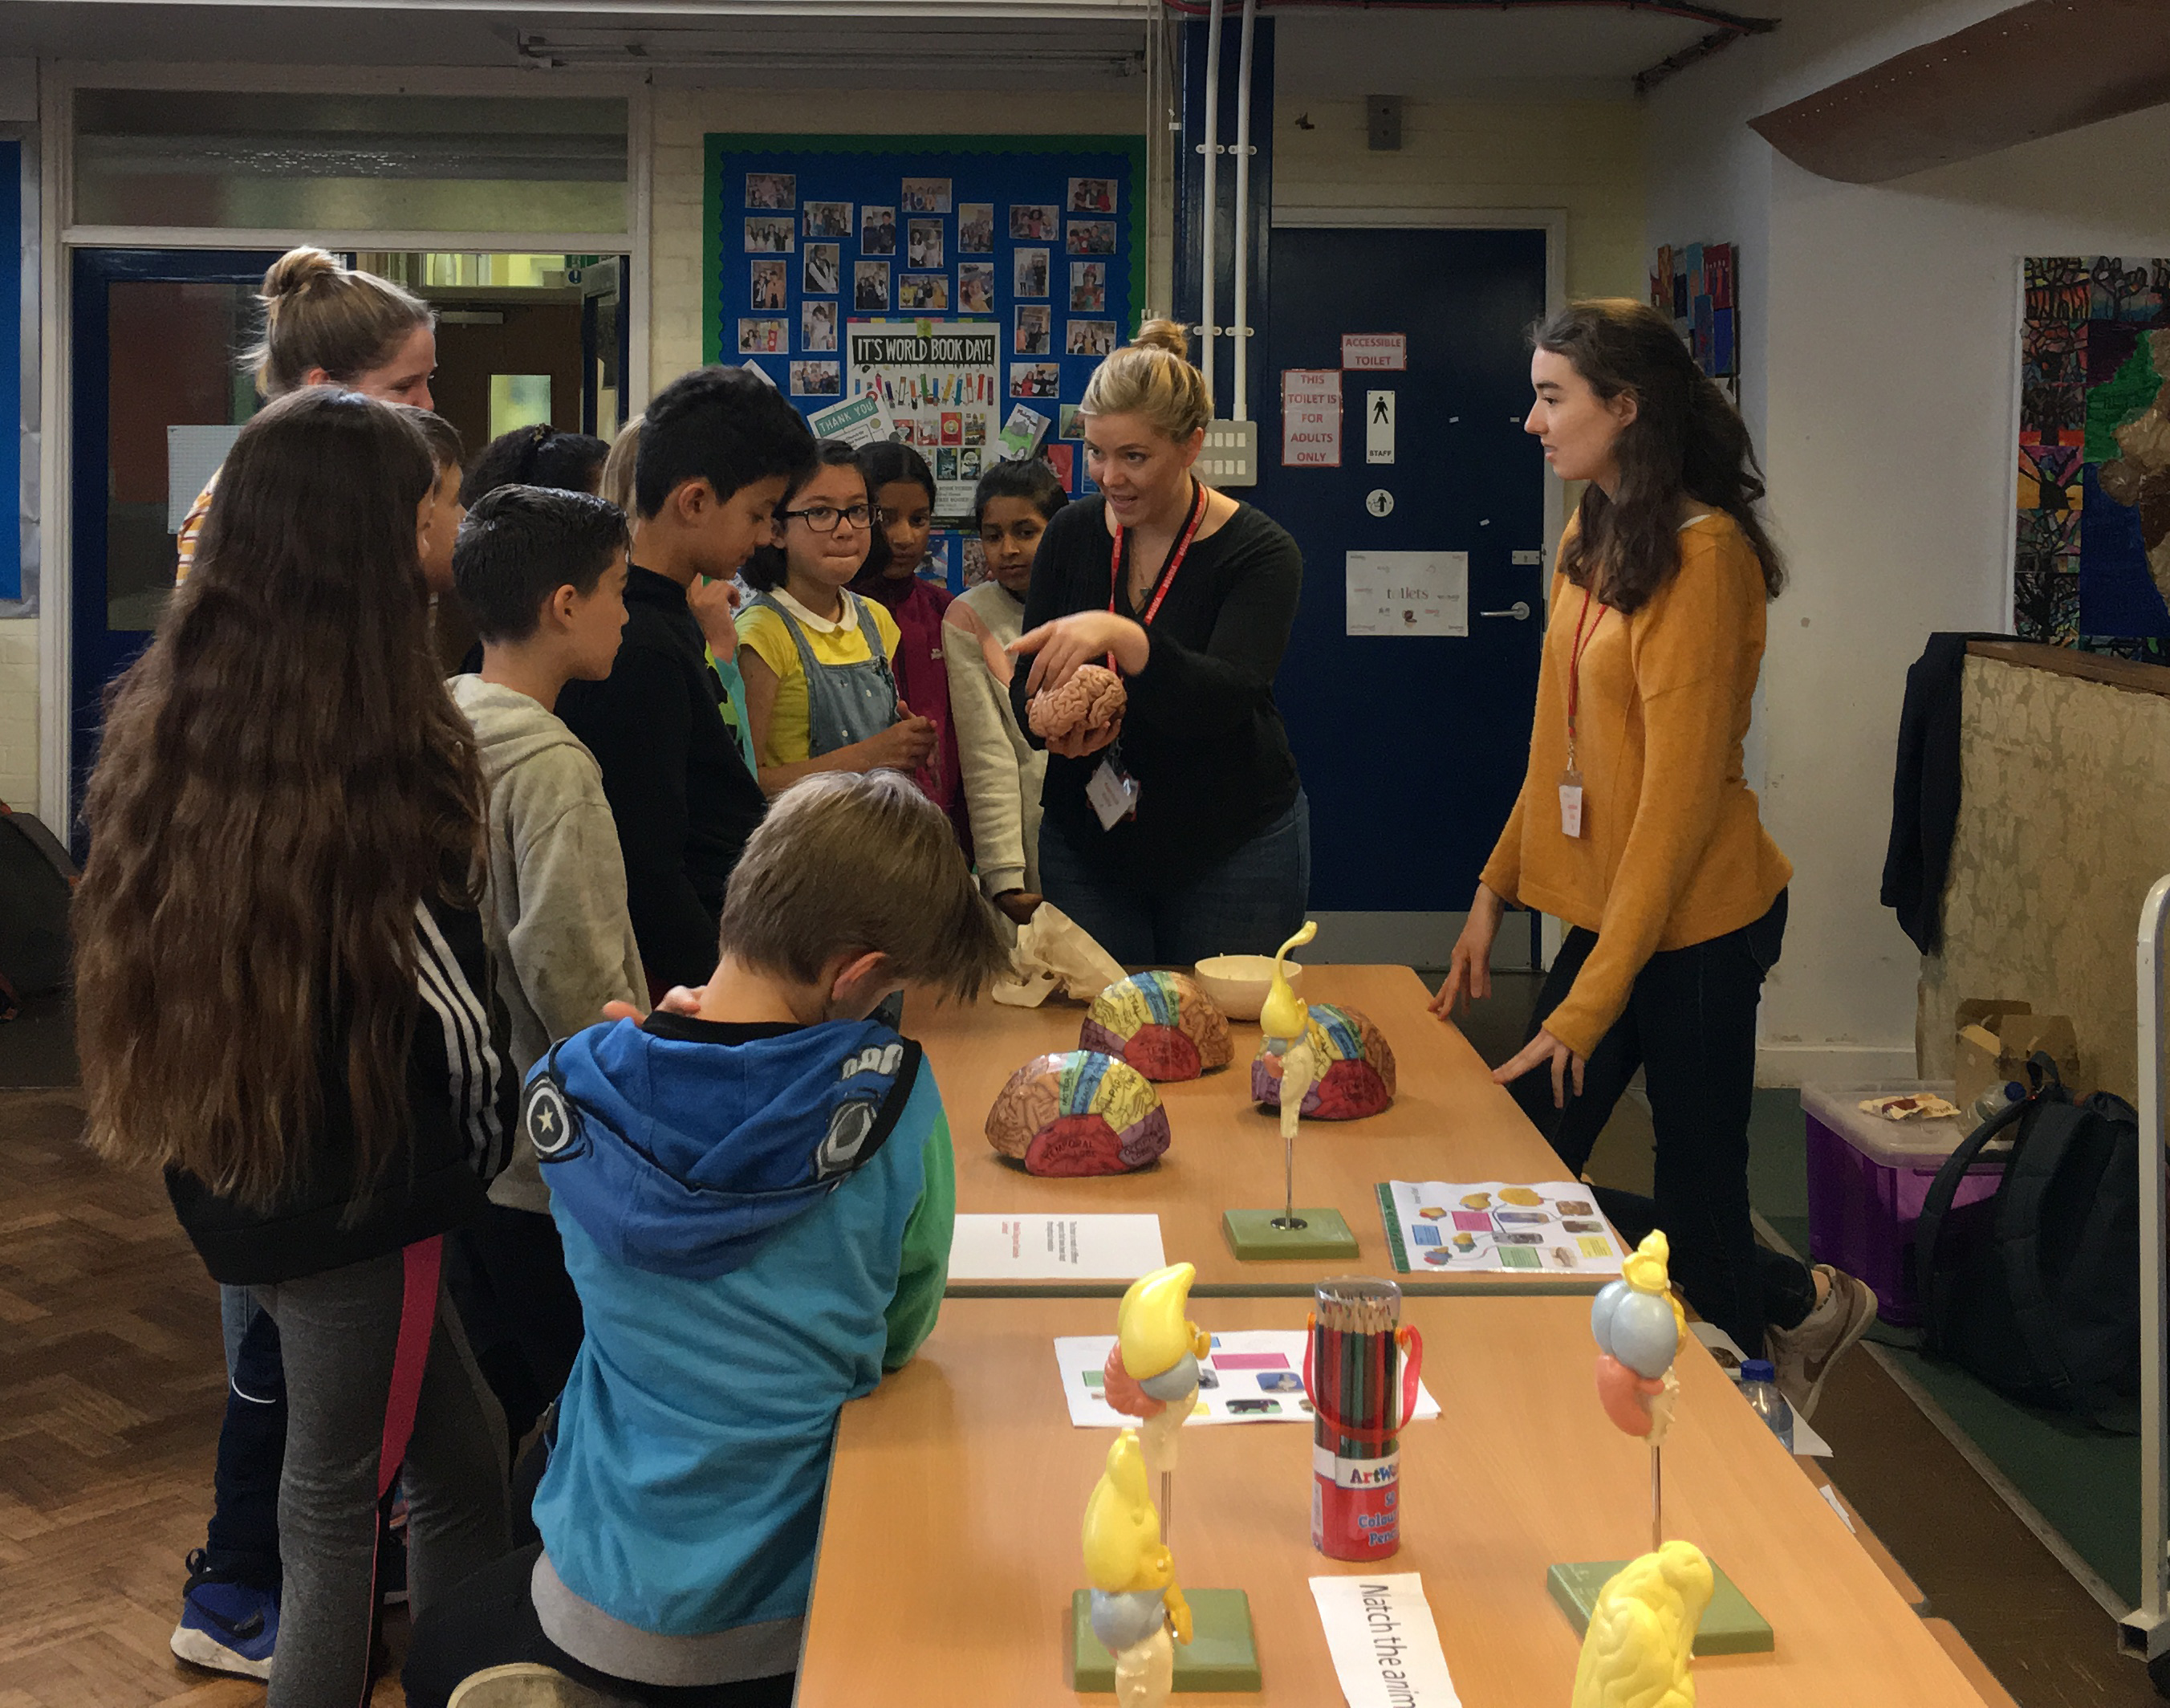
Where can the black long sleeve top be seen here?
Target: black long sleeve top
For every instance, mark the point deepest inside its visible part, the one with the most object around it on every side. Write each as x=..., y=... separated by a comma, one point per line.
x=677, y=784
x=1202, y=736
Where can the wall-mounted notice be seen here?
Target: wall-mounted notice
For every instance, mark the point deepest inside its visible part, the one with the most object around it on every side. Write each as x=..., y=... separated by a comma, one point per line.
x=1378, y=426
x=942, y=380
x=1311, y=418
x=1409, y=593
x=1378, y=352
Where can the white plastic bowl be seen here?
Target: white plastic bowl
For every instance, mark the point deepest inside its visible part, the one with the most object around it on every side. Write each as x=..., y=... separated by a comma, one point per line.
x=1240, y=983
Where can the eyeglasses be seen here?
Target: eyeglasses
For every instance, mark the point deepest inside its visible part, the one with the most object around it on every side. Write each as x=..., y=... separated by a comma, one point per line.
x=823, y=518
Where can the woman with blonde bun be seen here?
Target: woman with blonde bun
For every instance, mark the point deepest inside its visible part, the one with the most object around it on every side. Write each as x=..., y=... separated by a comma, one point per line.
x=1183, y=832
x=328, y=324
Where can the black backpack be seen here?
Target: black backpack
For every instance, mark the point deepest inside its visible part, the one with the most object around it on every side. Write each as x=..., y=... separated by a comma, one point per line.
x=36, y=878
x=2035, y=1289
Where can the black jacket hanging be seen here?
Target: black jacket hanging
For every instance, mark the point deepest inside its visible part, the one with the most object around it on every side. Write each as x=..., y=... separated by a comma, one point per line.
x=1925, y=790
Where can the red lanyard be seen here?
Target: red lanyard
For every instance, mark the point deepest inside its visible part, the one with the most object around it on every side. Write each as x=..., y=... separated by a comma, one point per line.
x=1175, y=558
x=1574, y=668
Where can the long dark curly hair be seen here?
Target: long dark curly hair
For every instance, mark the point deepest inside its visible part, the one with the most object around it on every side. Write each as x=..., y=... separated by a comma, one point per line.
x=1687, y=441
x=282, y=780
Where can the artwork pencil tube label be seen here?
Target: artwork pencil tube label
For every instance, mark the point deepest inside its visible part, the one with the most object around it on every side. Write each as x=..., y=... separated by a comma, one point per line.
x=1355, y=1505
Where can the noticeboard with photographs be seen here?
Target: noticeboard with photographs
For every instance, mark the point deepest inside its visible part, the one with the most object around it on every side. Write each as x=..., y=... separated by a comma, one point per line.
x=1041, y=238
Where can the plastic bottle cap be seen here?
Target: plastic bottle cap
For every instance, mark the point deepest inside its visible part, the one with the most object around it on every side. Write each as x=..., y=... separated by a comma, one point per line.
x=1758, y=1370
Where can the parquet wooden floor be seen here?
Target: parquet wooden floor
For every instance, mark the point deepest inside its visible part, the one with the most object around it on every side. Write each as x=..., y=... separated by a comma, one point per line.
x=111, y=1388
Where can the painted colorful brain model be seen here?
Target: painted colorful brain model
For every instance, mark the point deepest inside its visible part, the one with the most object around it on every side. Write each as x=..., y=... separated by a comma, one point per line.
x=1161, y=1023
x=1357, y=1075
x=1079, y=1112
x=1091, y=699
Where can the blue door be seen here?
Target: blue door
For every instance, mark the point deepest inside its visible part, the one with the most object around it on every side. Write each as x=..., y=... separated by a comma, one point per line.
x=1411, y=747
x=157, y=338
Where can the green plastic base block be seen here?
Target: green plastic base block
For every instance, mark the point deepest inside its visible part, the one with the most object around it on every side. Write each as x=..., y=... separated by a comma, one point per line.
x=1730, y=1625
x=1253, y=1237
x=1220, y=1655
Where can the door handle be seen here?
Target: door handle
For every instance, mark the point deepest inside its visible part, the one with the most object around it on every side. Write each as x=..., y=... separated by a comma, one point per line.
x=1520, y=611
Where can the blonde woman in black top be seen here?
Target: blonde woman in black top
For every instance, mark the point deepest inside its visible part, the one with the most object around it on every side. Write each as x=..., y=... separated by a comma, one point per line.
x=1184, y=833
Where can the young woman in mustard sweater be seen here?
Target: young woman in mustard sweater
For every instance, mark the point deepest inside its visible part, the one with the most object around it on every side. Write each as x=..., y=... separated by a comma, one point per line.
x=1635, y=827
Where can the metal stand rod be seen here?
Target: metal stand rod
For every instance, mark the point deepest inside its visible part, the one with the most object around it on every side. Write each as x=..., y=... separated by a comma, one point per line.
x=1657, y=1500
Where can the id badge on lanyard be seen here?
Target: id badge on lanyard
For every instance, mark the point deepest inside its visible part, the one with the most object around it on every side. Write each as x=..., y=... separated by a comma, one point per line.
x=1570, y=783
x=1112, y=790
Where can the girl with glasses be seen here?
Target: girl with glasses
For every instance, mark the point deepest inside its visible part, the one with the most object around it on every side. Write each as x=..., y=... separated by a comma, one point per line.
x=820, y=691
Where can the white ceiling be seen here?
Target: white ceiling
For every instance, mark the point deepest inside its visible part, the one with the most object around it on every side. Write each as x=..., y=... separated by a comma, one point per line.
x=1321, y=54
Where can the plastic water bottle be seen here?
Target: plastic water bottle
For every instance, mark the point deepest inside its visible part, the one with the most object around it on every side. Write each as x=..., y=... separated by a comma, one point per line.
x=1995, y=1099
x=1759, y=1387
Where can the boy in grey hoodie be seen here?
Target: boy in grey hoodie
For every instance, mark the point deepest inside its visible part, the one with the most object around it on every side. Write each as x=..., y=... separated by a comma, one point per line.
x=542, y=574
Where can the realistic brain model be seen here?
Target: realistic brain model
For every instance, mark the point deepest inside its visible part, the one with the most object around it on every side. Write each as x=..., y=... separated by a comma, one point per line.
x=1160, y=1023
x=1358, y=1076
x=1091, y=699
x=1079, y=1112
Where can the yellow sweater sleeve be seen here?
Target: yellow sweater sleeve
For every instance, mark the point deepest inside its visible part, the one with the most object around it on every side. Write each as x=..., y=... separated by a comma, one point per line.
x=1689, y=642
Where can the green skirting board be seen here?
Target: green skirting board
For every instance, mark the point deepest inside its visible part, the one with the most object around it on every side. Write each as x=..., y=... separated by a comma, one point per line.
x=1220, y=1655
x=1730, y=1625
x=1253, y=1237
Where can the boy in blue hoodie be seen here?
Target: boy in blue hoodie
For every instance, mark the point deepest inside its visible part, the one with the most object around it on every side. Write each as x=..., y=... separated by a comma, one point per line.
x=757, y=1204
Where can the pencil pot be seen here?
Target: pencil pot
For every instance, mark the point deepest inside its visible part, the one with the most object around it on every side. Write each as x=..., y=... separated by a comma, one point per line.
x=1360, y=1368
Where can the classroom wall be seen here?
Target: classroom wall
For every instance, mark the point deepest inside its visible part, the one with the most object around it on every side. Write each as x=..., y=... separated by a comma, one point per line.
x=1881, y=349
x=684, y=116
x=19, y=636
x=1584, y=155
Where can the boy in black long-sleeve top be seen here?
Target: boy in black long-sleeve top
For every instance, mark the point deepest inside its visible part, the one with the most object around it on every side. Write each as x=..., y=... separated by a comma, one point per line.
x=717, y=448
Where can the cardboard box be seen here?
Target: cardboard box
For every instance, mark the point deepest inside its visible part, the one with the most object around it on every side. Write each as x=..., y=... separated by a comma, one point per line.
x=1994, y=1041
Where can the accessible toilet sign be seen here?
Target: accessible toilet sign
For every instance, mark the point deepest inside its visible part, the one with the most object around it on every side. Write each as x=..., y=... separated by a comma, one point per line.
x=1311, y=418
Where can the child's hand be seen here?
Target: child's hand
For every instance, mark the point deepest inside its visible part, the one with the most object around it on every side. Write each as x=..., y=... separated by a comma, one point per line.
x=906, y=744
x=677, y=1000
x=712, y=604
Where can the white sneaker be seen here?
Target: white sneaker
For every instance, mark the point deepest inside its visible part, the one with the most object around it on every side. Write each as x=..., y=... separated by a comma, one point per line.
x=526, y=1685
x=1804, y=1355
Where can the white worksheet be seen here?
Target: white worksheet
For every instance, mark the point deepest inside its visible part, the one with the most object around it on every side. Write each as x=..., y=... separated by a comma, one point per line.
x=1055, y=1248
x=1252, y=1376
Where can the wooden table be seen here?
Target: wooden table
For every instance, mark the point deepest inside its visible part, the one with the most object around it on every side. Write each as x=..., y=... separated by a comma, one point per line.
x=1448, y=1122
x=951, y=1545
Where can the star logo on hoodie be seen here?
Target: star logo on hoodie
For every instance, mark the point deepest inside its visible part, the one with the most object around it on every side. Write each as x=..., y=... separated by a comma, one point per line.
x=547, y=1119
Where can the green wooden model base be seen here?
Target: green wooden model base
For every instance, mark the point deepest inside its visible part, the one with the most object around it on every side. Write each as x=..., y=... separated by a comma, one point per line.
x=1220, y=1655
x=1730, y=1625
x=1253, y=1237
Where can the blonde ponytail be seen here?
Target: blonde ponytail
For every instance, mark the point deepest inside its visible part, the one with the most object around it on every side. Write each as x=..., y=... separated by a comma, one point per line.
x=319, y=315
x=1152, y=375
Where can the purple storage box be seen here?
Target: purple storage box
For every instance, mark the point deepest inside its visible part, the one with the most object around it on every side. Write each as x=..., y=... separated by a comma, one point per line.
x=1867, y=1178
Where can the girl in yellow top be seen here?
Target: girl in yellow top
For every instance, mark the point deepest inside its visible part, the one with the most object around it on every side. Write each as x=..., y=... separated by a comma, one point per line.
x=1634, y=825
x=820, y=690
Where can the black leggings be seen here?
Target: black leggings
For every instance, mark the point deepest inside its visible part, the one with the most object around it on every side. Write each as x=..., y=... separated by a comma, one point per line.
x=1690, y=1025
x=491, y=1621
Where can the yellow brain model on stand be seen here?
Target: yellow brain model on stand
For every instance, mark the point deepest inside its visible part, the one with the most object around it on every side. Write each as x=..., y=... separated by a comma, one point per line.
x=1136, y=1598
x=1635, y=1654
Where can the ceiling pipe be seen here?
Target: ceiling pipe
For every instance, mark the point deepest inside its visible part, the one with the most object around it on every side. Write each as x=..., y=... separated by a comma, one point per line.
x=1212, y=147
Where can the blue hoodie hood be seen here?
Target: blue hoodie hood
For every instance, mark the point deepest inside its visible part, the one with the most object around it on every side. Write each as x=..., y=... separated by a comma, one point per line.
x=680, y=1146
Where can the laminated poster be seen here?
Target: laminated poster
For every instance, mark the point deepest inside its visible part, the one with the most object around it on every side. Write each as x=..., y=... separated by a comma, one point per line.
x=941, y=382
x=1555, y=1226
x=1251, y=1376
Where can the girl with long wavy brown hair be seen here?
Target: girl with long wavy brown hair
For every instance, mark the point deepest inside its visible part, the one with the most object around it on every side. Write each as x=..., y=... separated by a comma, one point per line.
x=281, y=994
x=1635, y=825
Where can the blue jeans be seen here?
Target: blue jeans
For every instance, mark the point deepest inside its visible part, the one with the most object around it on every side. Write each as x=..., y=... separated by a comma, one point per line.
x=1249, y=904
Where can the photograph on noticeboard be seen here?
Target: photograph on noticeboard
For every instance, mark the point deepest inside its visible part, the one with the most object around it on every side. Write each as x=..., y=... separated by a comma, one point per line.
x=976, y=288
x=976, y=227
x=828, y=219
x=772, y=190
x=1030, y=271
x=877, y=230
x=1034, y=222
x=925, y=196
x=870, y=286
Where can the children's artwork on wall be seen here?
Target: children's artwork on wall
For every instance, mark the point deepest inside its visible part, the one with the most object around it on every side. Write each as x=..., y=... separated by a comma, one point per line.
x=2091, y=560
x=1028, y=252
x=1072, y=425
x=1697, y=286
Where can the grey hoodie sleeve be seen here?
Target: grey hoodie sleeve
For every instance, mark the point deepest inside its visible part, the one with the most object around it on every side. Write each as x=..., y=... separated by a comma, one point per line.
x=980, y=711
x=571, y=945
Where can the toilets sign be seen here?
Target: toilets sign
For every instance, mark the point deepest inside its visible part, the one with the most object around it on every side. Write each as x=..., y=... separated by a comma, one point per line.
x=1311, y=418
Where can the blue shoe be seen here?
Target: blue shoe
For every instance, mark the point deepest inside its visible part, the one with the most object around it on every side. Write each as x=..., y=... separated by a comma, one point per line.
x=227, y=1627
